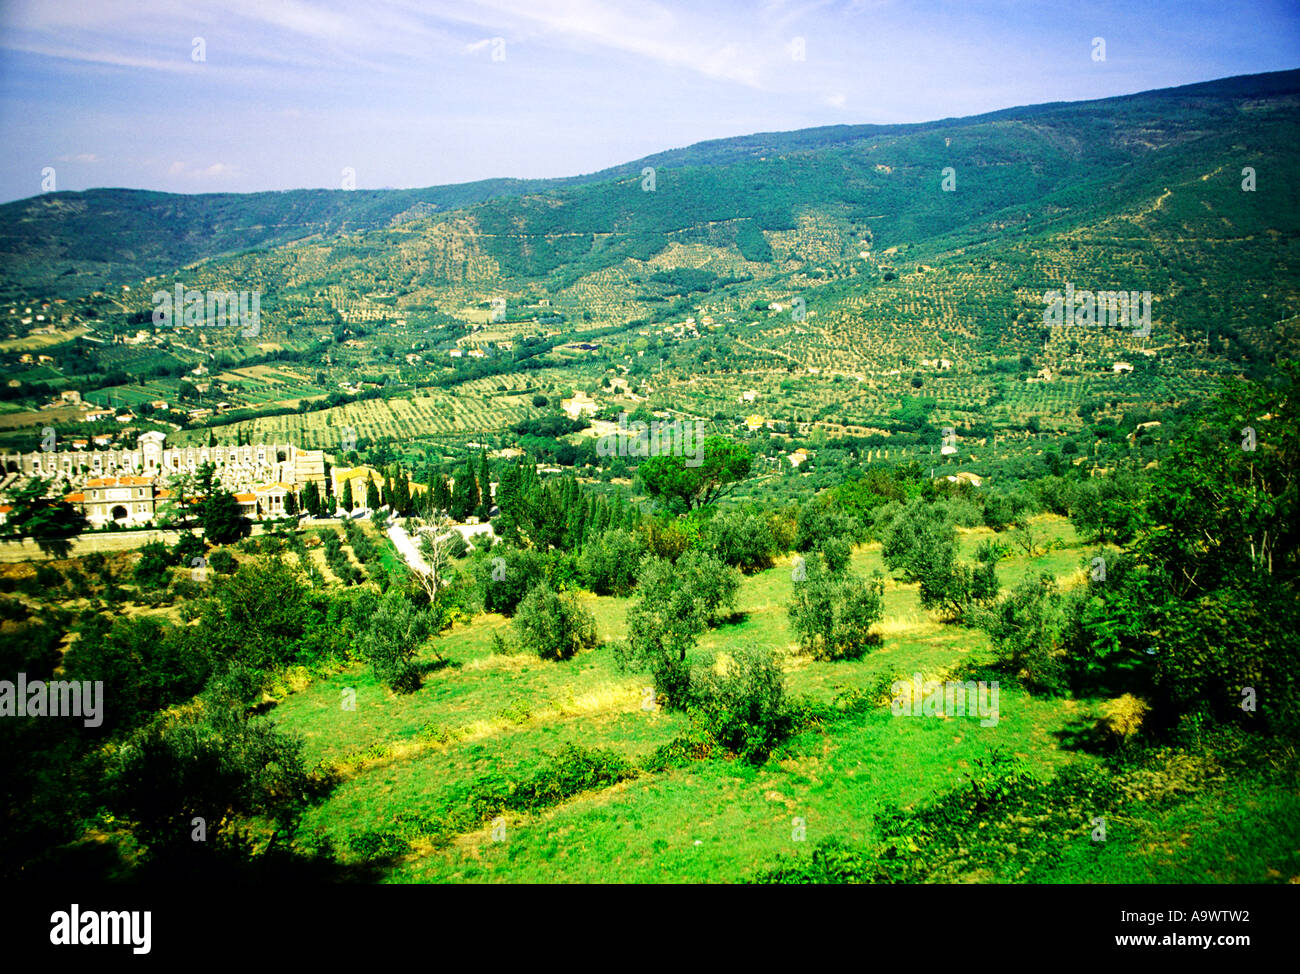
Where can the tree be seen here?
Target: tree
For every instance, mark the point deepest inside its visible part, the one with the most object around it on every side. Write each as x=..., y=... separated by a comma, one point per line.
x=222, y=519
x=51, y=521
x=919, y=541
x=151, y=567
x=258, y=616
x=1027, y=628
x=682, y=487
x=373, y=500
x=674, y=604
x=742, y=539
x=1108, y=509
x=346, y=502
x=146, y=664
x=820, y=519
x=832, y=614
x=1215, y=591
x=465, y=494
x=555, y=626
x=311, y=499
x=485, y=486
x=508, y=577
x=397, y=630
x=175, y=509
x=742, y=703
x=188, y=547
x=609, y=562
x=291, y=503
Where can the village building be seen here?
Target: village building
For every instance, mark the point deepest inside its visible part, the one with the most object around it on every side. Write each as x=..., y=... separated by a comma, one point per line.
x=579, y=405
x=129, y=501
x=237, y=467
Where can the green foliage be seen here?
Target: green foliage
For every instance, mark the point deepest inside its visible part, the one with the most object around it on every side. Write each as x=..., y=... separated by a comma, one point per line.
x=682, y=488
x=151, y=569
x=50, y=521
x=740, y=538
x=555, y=626
x=1028, y=629
x=209, y=762
x=188, y=547
x=674, y=604
x=508, y=576
x=221, y=518
x=1108, y=509
x=919, y=540
x=397, y=630
x=832, y=614
x=742, y=703
x=609, y=563
x=258, y=616
x=144, y=663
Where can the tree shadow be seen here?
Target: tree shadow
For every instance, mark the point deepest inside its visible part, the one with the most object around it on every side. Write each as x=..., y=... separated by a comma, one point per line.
x=1086, y=735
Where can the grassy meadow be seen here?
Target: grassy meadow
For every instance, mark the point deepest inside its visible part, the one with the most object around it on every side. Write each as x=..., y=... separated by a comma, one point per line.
x=482, y=715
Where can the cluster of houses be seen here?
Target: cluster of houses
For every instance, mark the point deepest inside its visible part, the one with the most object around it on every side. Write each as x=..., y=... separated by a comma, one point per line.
x=127, y=486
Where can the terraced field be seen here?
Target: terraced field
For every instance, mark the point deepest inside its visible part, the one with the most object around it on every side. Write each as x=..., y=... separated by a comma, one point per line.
x=410, y=759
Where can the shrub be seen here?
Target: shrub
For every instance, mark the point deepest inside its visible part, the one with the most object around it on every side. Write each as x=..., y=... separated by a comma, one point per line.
x=188, y=547
x=740, y=539
x=608, y=565
x=553, y=625
x=1027, y=628
x=396, y=632
x=918, y=539
x=223, y=562
x=674, y=604
x=742, y=703
x=505, y=582
x=150, y=570
x=818, y=521
x=833, y=615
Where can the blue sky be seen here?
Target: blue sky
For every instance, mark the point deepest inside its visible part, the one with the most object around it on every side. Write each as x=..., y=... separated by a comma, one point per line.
x=420, y=92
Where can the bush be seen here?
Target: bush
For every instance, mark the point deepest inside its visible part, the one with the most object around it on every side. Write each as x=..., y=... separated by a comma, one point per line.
x=150, y=570
x=396, y=632
x=608, y=564
x=836, y=553
x=918, y=539
x=833, y=615
x=742, y=703
x=553, y=625
x=507, y=577
x=188, y=547
x=1027, y=629
x=741, y=539
x=223, y=562
x=818, y=521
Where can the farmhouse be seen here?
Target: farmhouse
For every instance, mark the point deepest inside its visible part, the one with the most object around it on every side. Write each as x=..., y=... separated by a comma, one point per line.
x=581, y=404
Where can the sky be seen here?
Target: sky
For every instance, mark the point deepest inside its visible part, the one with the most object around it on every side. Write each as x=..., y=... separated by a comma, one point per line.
x=201, y=96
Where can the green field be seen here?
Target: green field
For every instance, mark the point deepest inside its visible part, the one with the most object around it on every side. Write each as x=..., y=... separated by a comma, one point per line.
x=722, y=820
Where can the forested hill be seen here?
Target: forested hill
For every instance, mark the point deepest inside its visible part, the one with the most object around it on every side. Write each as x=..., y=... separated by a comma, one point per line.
x=1055, y=156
